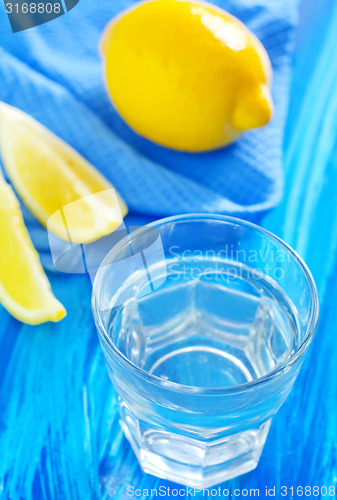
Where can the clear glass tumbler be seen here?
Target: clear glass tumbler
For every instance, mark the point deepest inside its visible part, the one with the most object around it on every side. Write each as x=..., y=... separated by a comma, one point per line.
x=203, y=321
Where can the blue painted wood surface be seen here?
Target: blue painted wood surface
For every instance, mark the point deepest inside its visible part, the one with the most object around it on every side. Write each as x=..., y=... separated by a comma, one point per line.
x=59, y=431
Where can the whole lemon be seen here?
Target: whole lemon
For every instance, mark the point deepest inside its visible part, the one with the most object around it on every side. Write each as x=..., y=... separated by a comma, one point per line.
x=186, y=75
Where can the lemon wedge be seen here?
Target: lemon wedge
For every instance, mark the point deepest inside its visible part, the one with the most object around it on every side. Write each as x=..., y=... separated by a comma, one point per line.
x=63, y=190
x=24, y=288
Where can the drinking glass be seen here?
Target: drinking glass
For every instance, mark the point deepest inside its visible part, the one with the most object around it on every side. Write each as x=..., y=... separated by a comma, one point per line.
x=203, y=321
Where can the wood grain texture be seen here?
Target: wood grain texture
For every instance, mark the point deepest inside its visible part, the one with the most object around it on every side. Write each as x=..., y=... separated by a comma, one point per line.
x=59, y=432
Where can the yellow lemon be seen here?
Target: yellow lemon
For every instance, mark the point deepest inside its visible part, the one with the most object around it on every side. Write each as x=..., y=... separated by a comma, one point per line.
x=186, y=75
x=24, y=288
x=64, y=192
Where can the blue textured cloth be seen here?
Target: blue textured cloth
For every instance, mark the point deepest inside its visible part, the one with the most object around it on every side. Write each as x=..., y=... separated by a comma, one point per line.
x=54, y=72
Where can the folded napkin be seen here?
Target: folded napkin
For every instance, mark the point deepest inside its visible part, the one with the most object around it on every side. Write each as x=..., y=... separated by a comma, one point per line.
x=54, y=72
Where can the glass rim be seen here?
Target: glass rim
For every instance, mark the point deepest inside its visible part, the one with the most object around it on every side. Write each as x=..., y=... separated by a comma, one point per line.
x=195, y=390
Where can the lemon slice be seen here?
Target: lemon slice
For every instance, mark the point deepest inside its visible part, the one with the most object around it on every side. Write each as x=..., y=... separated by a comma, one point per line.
x=64, y=192
x=24, y=288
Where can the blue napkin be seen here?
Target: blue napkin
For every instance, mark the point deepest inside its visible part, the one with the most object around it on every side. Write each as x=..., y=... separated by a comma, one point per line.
x=54, y=73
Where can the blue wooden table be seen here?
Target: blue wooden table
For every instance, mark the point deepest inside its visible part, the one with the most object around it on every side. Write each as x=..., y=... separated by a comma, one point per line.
x=59, y=431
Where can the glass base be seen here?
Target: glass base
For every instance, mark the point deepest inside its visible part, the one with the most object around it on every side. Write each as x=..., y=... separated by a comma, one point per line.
x=193, y=462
